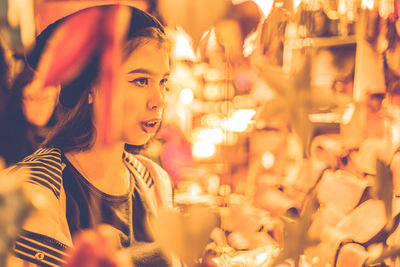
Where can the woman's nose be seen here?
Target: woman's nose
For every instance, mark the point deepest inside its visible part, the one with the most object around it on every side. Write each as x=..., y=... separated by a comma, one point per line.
x=157, y=99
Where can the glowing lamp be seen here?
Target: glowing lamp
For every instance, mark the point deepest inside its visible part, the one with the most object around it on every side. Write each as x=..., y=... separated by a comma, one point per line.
x=183, y=46
x=367, y=4
x=268, y=160
x=186, y=96
x=203, y=149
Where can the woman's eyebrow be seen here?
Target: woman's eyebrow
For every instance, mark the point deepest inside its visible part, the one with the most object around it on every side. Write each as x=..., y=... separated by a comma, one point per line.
x=146, y=71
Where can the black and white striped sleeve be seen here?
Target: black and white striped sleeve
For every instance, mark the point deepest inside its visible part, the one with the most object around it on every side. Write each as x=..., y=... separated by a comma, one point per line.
x=45, y=237
x=40, y=249
x=45, y=169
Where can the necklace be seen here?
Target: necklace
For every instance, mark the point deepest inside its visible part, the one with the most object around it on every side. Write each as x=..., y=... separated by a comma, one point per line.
x=84, y=174
x=81, y=169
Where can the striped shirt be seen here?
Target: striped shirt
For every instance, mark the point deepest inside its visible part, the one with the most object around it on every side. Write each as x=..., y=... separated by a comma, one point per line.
x=76, y=205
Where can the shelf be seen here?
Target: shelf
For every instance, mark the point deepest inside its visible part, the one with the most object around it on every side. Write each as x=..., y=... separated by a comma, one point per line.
x=320, y=41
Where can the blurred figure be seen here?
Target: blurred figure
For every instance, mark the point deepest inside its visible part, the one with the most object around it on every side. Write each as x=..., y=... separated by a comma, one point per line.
x=4, y=79
x=333, y=69
x=28, y=114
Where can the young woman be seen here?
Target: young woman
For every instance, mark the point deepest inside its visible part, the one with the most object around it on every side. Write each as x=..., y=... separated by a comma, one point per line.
x=4, y=79
x=88, y=183
x=28, y=114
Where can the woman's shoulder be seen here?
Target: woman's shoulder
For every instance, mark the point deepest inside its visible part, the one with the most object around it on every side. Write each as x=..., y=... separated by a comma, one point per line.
x=45, y=169
x=43, y=153
x=154, y=168
x=158, y=176
x=145, y=165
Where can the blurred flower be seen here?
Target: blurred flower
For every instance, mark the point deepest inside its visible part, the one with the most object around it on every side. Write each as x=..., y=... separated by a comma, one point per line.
x=98, y=248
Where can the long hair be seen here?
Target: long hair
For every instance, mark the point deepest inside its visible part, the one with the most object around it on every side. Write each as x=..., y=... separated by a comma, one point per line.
x=18, y=137
x=14, y=141
x=4, y=79
x=75, y=130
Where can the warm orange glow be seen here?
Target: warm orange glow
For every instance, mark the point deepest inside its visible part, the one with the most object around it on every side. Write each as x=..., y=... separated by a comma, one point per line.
x=348, y=114
x=386, y=8
x=342, y=7
x=186, y=96
x=239, y=121
x=225, y=190
x=194, y=189
x=367, y=4
x=183, y=48
x=265, y=6
x=20, y=14
x=296, y=3
x=268, y=160
x=213, y=184
x=250, y=44
x=203, y=149
x=210, y=135
x=210, y=120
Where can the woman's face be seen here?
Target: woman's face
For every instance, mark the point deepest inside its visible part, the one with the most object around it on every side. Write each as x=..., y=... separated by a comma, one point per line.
x=38, y=105
x=145, y=73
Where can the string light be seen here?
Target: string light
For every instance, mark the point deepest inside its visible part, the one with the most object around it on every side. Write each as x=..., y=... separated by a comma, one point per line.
x=20, y=13
x=386, y=7
x=210, y=135
x=296, y=4
x=183, y=48
x=210, y=120
x=194, y=189
x=186, y=96
x=367, y=4
x=250, y=44
x=265, y=6
x=239, y=121
x=268, y=160
x=213, y=184
x=203, y=150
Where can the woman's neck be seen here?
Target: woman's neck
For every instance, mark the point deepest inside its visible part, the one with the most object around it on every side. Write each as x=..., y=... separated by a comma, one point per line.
x=103, y=167
x=104, y=154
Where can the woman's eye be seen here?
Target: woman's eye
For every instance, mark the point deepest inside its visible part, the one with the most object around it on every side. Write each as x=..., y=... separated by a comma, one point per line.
x=141, y=82
x=164, y=82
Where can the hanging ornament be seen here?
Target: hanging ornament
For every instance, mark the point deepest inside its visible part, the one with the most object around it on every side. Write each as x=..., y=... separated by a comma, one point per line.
x=17, y=17
x=386, y=7
x=194, y=16
x=372, y=27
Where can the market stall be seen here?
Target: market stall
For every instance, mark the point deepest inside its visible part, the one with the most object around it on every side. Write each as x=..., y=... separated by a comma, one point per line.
x=281, y=132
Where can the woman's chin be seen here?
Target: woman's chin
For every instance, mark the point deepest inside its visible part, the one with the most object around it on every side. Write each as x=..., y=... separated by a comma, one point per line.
x=138, y=141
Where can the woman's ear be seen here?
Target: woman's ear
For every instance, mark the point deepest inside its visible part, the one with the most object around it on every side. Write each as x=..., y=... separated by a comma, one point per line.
x=90, y=98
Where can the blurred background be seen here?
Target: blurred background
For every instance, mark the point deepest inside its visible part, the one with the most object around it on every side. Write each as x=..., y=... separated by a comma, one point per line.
x=270, y=102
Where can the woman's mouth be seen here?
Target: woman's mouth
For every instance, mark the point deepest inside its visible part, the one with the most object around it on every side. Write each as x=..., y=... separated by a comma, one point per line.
x=150, y=126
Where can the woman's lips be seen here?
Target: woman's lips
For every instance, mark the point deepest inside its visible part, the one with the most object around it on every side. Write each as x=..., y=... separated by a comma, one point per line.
x=150, y=126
